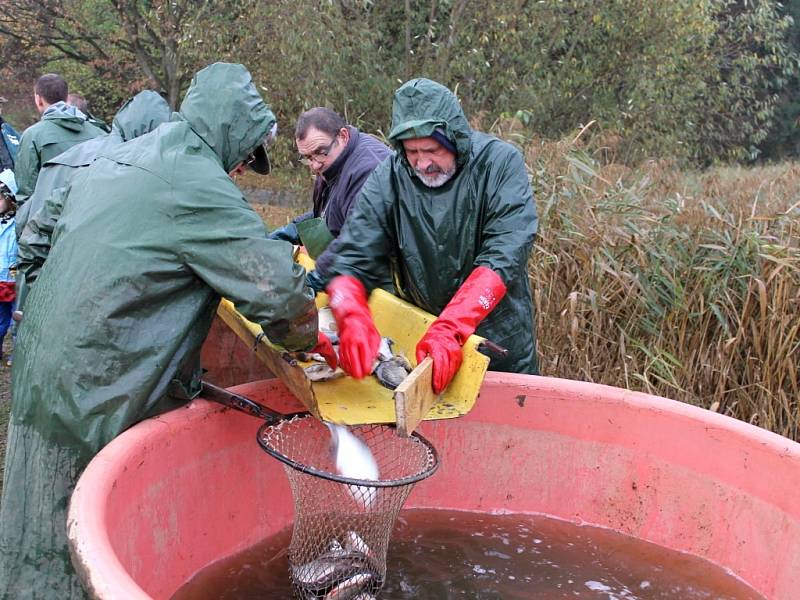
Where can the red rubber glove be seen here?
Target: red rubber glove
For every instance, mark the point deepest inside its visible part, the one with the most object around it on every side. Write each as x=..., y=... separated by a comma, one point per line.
x=470, y=305
x=358, y=337
x=325, y=348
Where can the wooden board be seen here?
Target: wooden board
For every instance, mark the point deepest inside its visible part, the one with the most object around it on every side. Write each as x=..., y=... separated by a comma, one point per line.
x=277, y=361
x=414, y=397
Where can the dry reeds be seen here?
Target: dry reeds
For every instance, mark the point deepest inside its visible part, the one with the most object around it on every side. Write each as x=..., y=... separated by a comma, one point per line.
x=680, y=284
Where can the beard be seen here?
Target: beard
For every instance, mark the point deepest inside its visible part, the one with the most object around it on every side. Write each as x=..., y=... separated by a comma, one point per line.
x=434, y=176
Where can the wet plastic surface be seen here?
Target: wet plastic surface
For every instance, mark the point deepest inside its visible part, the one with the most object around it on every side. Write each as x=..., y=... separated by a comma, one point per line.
x=179, y=492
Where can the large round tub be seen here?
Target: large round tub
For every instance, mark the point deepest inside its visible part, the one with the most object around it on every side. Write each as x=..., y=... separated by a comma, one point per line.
x=180, y=491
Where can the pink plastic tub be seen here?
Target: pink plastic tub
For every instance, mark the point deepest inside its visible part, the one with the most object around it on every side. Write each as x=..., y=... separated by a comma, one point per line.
x=178, y=492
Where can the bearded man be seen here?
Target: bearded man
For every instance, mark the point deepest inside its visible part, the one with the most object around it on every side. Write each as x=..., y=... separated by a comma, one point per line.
x=450, y=219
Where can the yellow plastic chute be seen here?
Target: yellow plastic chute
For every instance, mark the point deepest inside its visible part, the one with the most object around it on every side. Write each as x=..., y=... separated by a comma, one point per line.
x=354, y=402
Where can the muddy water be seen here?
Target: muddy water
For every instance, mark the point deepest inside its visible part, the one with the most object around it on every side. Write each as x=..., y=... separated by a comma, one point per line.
x=436, y=555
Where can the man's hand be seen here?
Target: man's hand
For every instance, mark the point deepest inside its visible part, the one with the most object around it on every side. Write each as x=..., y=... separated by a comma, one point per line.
x=325, y=348
x=470, y=305
x=287, y=233
x=441, y=344
x=358, y=337
x=314, y=281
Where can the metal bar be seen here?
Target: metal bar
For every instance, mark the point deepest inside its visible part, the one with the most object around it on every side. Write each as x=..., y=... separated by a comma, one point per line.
x=241, y=403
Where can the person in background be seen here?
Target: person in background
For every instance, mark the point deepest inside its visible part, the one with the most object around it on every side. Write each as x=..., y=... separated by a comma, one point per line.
x=82, y=105
x=451, y=219
x=61, y=127
x=341, y=157
x=151, y=235
x=139, y=115
x=9, y=141
x=8, y=255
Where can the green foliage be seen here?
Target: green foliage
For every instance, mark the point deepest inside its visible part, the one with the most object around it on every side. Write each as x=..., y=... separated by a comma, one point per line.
x=104, y=95
x=692, y=79
x=784, y=137
x=311, y=54
x=686, y=78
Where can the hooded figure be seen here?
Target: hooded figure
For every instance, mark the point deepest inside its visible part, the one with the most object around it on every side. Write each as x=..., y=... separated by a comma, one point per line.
x=455, y=241
x=151, y=235
x=61, y=127
x=139, y=115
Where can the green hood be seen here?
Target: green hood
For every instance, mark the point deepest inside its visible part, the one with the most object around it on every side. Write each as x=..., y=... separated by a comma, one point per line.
x=65, y=115
x=141, y=114
x=422, y=105
x=61, y=127
x=225, y=109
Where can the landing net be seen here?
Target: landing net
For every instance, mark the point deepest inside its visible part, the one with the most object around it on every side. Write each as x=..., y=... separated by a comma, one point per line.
x=342, y=525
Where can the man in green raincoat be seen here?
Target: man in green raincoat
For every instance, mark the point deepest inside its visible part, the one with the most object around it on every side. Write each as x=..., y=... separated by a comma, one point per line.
x=151, y=235
x=452, y=219
x=61, y=127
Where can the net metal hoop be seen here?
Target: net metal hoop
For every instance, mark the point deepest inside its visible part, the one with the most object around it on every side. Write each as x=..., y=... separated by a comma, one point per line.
x=335, y=477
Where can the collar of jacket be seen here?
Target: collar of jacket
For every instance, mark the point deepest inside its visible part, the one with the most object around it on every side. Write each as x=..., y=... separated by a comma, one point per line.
x=333, y=171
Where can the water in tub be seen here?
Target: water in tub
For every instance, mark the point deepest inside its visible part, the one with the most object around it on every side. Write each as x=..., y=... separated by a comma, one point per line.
x=437, y=555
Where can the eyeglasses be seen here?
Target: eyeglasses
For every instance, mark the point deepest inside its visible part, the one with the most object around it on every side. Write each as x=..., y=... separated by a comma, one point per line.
x=318, y=155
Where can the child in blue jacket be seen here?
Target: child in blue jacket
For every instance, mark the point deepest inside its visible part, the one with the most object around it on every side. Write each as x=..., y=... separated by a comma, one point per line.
x=8, y=252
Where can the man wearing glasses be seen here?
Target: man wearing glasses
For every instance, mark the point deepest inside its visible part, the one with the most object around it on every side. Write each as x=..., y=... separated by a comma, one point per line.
x=342, y=158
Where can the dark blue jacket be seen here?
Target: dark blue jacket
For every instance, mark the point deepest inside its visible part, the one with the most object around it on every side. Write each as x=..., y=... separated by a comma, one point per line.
x=336, y=189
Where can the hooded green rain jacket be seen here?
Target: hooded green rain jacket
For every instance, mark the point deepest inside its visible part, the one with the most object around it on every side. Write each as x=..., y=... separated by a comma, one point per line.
x=152, y=234
x=430, y=239
x=139, y=115
x=60, y=128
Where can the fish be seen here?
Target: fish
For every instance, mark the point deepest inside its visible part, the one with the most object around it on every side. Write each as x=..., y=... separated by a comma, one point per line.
x=354, y=460
x=355, y=543
x=317, y=572
x=385, y=349
x=322, y=372
x=391, y=373
x=341, y=573
x=351, y=587
x=335, y=548
x=390, y=369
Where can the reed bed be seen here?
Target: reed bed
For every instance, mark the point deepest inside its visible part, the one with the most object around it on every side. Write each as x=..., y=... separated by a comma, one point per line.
x=676, y=283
